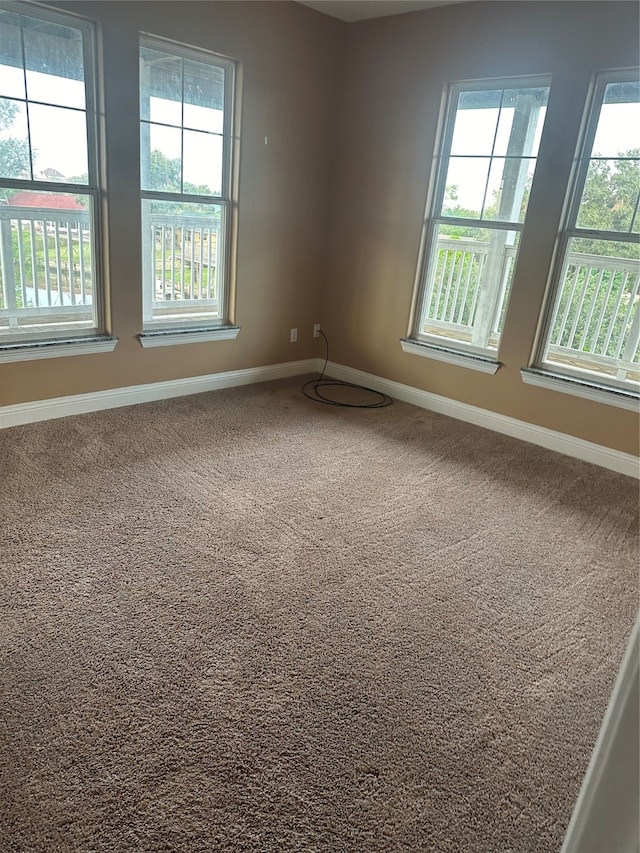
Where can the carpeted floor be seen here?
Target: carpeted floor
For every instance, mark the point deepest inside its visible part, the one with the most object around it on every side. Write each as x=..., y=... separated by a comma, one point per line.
x=241, y=621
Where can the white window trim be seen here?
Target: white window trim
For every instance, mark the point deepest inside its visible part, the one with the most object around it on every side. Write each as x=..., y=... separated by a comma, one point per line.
x=435, y=196
x=92, y=189
x=578, y=387
x=175, y=336
x=225, y=200
x=452, y=356
x=578, y=381
x=30, y=351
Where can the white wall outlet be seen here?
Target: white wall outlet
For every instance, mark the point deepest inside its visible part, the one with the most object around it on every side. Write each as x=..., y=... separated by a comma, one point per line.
x=316, y=330
x=294, y=335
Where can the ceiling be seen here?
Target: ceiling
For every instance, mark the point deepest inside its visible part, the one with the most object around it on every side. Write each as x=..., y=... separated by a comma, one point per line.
x=360, y=10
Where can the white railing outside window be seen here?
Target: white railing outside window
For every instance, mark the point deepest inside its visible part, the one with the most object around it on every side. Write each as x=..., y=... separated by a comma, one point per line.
x=596, y=323
x=457, y=295
x=183, y=266
x=46, y=268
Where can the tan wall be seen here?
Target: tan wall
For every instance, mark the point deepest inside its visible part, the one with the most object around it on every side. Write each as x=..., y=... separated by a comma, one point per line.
x=396, y=71
x=290, y=62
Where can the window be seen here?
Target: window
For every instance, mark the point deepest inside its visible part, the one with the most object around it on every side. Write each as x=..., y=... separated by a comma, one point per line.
x=186, y=151
x=49, y=285
x=488, y=157
x=593, y=331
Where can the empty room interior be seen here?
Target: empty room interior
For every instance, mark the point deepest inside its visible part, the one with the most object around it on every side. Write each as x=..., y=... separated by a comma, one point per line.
x=319, y=409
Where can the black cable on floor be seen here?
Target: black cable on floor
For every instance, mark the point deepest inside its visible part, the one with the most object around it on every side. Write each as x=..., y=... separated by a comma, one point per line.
x=310, y=389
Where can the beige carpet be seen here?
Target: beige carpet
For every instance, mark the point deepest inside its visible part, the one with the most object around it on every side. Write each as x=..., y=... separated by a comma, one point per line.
x=242, y=621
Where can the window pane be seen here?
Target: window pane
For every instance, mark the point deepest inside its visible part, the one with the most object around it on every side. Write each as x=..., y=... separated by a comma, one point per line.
x=593, y=328
x=468, y=285
x=161, y=158
x=47, y=285
x=14, y=140
x=465, y=187
x=54, y=61
x=500, y=122
x=508, y=189
x=183, y=254
x=203, y=96
x=506, y=126
x=475, y=125
x=11, y=66
x=58, y=155
x=160, y=86
x=521, y=119
x=619, y=121
x=202, y=163
x=609, y=199
x=469, y=271
x=183, y=241
x=610, y=195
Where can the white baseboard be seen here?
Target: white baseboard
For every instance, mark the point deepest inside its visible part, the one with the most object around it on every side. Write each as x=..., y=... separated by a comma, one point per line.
x=615, y=460
x=80, y=404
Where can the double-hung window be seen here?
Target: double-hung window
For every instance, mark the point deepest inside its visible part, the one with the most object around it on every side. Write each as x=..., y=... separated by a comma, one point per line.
x=593, y=329
x=49, y=284
x=484, y=172
x=186, y=145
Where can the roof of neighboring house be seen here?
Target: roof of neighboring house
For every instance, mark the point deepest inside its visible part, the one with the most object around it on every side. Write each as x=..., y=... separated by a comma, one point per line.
x=50, y=200
x=52, y=173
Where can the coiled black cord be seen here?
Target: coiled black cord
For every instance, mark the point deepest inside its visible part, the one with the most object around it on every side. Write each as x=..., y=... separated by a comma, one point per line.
x=311, y=388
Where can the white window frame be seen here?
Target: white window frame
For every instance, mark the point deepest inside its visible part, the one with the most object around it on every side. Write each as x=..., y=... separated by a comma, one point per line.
x=157, y=331
x=457, y=351
x=585, y=382
x=16, y=346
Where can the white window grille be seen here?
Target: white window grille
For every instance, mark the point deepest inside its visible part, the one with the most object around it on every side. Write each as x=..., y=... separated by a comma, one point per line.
x=593, y=327
x=186, y=120
x=487, y=161
x=50, y=286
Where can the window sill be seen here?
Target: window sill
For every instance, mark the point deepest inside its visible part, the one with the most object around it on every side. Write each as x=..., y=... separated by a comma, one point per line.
x=173, y=337
x=581, y=388
x=55, y=348
x=462, y=359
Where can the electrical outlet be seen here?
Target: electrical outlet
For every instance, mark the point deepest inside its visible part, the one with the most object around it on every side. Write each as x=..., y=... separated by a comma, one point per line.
x=316, y=330
x=294, y=335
